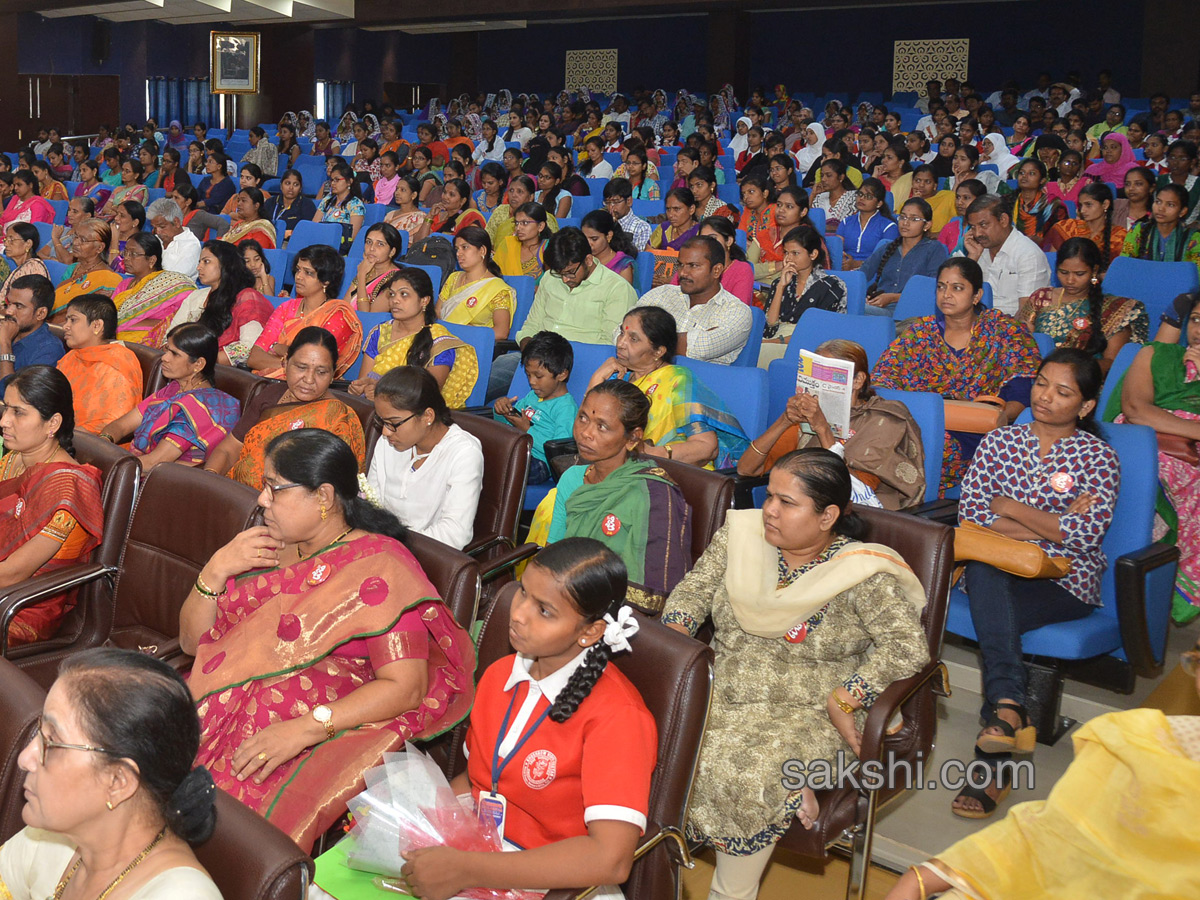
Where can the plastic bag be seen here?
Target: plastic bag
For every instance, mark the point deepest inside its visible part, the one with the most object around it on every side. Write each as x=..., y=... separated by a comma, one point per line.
x=408, y=805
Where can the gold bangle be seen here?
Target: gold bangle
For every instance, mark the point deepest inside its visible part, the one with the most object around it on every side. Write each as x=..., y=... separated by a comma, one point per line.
x=202, y=588
x=756, y=450
x=842, y=704
x=670, y=452
x=916, y=870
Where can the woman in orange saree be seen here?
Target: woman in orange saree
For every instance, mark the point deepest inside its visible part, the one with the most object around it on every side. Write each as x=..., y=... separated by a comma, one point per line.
x=320, y=644
x=50, y=511
x=318, y=274
x=301, y=401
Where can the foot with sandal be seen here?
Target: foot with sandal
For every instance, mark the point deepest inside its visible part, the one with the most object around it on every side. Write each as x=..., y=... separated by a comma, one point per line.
x=1008, y=730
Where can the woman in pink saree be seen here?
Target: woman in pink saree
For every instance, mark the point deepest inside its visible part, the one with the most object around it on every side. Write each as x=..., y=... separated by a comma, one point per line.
x=320, y=644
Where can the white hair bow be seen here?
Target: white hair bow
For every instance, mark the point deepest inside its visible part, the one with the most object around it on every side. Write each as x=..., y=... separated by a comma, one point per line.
x=618, y=631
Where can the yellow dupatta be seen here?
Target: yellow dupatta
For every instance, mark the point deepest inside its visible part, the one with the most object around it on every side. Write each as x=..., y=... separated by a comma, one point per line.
x=752, y=578
x=473, y=303
x=463, y=374
x=1119, y=823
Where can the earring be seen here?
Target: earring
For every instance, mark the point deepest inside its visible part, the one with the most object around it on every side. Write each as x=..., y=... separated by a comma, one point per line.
x=1095, y=279
x=324, y=513
x=582, y=642
x=108, y=803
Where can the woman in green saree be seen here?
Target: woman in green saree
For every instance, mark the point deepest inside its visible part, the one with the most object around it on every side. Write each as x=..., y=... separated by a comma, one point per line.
x=620, y=497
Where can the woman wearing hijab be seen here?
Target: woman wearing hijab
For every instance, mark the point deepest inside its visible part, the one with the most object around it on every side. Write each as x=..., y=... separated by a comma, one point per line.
x=740, y=141
x=814, y=142
x=994, y=151
x=176, y=136
x=1116, y=158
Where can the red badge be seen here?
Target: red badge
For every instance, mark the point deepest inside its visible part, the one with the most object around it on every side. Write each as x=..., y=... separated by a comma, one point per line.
x=650, y=391
x=472, y=302
x=319, y=574
x=1062, y=482
x=20, y=508
x=1080, y=324
x=529, y=413
x=797, y=634
x=299, y=423
x=539, y=769
x=611, y=525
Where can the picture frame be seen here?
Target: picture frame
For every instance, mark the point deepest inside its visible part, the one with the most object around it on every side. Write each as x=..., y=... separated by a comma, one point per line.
x=234, y=58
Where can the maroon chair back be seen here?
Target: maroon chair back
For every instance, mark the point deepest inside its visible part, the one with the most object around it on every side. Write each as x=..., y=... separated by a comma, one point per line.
x=151, y=363
x=21, y=700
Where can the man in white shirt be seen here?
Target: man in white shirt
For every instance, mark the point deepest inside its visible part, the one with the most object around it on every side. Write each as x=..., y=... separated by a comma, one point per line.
x=1042, y=90
x=618, y=111
x=933, y=91
x=713, y=324
x=181, y=248
x=1012, y=264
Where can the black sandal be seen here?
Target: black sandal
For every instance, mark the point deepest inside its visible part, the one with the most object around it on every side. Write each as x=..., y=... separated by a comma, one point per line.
x=1013, y=740
x=985, y=800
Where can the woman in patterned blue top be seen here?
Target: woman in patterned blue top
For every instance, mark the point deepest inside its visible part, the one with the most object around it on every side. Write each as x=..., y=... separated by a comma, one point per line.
x=1054, y=483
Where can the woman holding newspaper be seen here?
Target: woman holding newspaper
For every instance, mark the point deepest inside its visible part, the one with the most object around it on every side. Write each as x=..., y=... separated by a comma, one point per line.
x=878, y=438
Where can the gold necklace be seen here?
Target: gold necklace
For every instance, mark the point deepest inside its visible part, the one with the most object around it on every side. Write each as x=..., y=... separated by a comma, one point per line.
x=300, y=557
x=25, y=466
x=62, y=885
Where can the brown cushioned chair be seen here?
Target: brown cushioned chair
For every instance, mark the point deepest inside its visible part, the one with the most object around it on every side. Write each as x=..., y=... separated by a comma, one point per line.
x=247, y=857
x=674, y=675
x=151, y=362
x=709, y=494
x=453, y=573
x=88, y=624
x=238, y=383
x=847, y=816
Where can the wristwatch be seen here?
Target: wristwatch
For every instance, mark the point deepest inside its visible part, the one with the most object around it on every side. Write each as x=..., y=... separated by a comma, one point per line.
x=324, y=715
x=8, y=358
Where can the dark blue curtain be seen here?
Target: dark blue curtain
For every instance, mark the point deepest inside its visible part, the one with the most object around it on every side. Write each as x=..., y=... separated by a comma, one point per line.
x=185, y=99
x=337, y=95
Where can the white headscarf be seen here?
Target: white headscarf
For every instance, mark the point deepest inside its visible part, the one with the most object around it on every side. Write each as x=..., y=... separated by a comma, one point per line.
x=1000, y=156
x=739, y=142
x=810, y=153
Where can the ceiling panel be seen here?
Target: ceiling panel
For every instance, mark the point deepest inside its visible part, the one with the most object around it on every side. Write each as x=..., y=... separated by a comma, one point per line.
x=182, y=12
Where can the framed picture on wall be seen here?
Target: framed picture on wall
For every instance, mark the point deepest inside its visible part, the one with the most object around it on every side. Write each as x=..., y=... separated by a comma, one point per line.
x=233, y=62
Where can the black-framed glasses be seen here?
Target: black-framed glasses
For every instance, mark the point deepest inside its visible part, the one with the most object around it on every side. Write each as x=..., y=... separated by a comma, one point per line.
x=273, y=489
x=392, y=425
x=46, y=744
x=568, y=274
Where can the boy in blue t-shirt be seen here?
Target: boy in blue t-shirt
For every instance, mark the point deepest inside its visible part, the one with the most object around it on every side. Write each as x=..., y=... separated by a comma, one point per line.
x=547, y=412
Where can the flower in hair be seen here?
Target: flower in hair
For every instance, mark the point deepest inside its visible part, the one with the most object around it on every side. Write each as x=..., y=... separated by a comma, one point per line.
x=367, y=491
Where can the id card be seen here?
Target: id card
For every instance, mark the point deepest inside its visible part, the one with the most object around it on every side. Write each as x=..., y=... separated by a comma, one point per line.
x=493, y=808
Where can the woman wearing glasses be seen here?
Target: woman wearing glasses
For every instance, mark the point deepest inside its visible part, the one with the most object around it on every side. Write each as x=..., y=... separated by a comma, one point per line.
x=50, y=512
x=912, y=252
x=148, y=297
x=425, y=469
x=110, y=789
x=301, y=400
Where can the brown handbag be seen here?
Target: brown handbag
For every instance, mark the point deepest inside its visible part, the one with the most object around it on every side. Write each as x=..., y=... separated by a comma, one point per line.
x=975, y=543
x=979, y=416
x=1179, y=447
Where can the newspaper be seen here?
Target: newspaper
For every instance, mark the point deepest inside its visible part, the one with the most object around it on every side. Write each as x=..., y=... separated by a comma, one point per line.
x=832, y=381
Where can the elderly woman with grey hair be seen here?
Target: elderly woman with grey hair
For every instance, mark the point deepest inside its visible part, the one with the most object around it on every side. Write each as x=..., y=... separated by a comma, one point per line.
x=181, y=248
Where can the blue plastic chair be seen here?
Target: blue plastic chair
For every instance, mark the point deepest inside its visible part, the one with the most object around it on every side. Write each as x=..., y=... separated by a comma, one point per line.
x=1045, y=343
x=730, y=193
x=929, y=412
x=569, y=222
x=1052, y=262
x=643, y=273
x=581, y=206
x=280, y=262
x=196, y=180
x=856, y=291
x=352, y=263
x=739, y=238
x=742, y=390
x=644, y=209
x=376, y=212
x=45, y=232
x=1136, y=588
x=435, y=275
x=524, y=286
x=749, y=353
x=836, y=247
x=60, y=210
x=483, y=341
x=55, y=269
x=817, y=217
x=596, y=186
x=306, y=234
x=369, y=320
x=1119, y=367
x=1156, y=284
x=816, y=326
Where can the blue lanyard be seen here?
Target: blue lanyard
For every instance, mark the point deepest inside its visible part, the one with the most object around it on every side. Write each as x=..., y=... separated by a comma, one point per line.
x=498, y=764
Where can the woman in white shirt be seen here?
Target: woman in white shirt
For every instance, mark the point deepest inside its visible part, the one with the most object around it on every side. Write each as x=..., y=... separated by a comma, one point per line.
x=426, y=469
x=490, y=147
x=517, y=131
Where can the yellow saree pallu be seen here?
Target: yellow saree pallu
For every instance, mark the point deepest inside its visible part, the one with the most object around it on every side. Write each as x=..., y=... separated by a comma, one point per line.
x=292, y=638
x=1120, y=823
x=463, y=374
x=145, y=307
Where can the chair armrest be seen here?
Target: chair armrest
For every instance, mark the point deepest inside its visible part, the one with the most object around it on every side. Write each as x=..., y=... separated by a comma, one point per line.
x=19, y=596
x=881, y=712
x=481, y=545
x=507, y=561
x=944, y=511
x=477, y=410
x=1130, y=573
x=505, y=346
x=743, y=486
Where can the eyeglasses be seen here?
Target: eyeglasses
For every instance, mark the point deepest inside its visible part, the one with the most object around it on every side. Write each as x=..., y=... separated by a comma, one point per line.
x=393, y=425
x=47, y=744
x=129, y=254
x=911, y=219
x=566, y=274
x=273, y=489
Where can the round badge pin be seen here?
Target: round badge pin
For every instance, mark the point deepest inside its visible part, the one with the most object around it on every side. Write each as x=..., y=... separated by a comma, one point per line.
x=1062, y=482
x=1080, y=324
x=610, y=525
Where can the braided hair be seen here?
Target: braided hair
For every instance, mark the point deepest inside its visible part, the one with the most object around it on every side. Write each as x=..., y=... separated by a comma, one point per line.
x=1086, y=251
x=893, y=248
x=420, y=350
x=595, y=580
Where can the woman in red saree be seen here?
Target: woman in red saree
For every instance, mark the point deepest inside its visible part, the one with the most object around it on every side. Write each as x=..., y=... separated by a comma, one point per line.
x=320, y=644
x=318, y=273
x=50, y=512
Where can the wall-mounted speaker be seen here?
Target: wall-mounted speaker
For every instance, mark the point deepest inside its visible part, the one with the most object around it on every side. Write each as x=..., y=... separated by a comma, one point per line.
x=101, y=41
